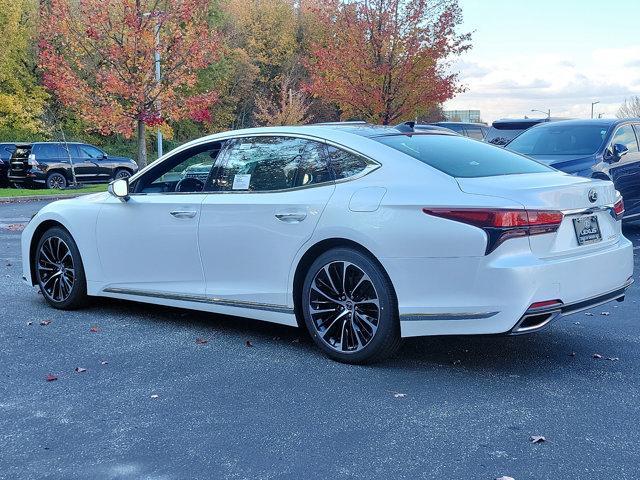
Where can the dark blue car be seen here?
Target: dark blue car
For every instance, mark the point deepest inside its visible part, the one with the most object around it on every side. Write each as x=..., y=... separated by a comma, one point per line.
x=603, y=148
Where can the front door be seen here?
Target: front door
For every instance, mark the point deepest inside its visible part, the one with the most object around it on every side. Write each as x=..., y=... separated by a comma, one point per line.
x=270, y=193
x=626, y=172
x=149, y=244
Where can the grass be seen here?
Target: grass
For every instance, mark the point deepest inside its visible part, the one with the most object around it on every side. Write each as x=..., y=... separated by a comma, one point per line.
x=28, y=192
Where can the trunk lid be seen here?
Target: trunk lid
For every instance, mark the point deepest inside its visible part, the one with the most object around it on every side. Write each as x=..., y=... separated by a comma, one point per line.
x=555, y=191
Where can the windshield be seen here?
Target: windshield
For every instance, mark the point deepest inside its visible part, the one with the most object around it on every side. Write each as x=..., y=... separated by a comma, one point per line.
x=462, y=157
x=558, y=139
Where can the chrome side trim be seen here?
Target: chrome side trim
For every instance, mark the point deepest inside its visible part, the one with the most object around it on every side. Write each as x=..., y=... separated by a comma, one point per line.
x=586, y=211
x=418, y=317
x=201, y=299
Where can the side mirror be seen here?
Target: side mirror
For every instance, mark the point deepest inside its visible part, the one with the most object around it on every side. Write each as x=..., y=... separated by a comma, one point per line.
x=120, y=189
x=616, y=152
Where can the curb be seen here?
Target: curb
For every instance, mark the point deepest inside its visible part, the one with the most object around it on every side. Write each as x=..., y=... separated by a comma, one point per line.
x=35, y=198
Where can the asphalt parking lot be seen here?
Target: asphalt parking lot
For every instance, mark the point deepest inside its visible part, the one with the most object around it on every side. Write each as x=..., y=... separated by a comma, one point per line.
x=155, y=404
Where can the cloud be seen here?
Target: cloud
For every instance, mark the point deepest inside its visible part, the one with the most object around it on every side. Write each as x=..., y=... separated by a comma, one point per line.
x=511, y=86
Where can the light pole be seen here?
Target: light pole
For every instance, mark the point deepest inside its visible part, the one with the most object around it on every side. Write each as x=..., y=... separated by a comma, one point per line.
x=592, y=104
x=156, y=57
x=547, y=113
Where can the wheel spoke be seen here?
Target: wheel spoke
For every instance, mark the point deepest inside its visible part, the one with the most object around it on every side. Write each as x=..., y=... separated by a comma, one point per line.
x=327, y=272
x=315, y=288
x=323, y=334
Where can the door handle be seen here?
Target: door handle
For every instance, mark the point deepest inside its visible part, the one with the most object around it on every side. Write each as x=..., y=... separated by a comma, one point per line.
x=291, y=217
x=183, y=213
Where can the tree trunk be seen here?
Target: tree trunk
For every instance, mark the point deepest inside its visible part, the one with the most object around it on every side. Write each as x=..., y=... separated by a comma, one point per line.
x=142, y=145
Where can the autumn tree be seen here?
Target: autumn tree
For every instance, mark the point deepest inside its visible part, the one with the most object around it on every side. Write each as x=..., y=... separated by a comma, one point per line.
x=98, y=58
x=385, y=60
x=22, y=100
x=630, y=108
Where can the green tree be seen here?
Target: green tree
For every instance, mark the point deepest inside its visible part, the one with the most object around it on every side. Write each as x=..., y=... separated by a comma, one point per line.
x=22, y=100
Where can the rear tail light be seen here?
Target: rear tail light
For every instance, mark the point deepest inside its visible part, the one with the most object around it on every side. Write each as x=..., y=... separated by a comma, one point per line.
x=545, y=304
x=618, y=209
x=31, y=160
x=500, y=224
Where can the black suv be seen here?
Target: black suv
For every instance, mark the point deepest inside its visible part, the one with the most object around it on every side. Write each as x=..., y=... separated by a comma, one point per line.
x=505, y=130
x=50, y=164
x=6, y=150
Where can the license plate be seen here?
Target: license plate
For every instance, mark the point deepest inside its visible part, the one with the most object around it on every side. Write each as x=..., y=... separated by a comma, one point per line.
x=587, y=230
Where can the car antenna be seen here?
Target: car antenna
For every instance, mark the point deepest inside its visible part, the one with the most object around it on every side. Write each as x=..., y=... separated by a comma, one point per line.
x=407, y=127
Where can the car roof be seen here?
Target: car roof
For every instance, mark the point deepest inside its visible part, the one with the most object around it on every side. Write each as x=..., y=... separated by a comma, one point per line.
x=474, y=124
x=605, y=122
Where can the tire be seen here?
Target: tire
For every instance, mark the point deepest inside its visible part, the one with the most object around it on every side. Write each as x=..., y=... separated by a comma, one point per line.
x=56, y=180
x=121, y=173
x=59, y=270
x=341, y=320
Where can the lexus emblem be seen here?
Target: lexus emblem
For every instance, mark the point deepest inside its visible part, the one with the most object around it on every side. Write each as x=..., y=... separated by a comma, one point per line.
x=593, y=196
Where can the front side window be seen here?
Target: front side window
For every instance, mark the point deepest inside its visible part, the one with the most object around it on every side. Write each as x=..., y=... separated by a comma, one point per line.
x=626, y=136
x=462, y=157
x=87, y=151
x=559, y=139
x=185, y=172
x=262, y=164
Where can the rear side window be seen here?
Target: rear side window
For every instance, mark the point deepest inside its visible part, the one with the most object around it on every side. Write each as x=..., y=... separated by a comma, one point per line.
x=462, y=157
x=501, y=137
x=345, y=164
x=46, y=151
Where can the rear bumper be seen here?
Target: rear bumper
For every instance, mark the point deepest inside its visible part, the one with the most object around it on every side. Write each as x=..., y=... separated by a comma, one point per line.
x=535, y=319
x=491, y=295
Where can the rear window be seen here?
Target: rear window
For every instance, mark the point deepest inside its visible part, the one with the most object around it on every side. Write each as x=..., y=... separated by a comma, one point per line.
x=497, y=136
x=461, y=156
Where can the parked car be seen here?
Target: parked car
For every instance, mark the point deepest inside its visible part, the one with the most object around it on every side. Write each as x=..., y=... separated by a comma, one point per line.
x=477, y=131
x=602, y=148
x=6, y=150
x=50, y=164
x=505, y=130
x=362, y=235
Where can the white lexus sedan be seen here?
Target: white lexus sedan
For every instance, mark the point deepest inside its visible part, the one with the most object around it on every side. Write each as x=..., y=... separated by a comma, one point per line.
x=362, y=234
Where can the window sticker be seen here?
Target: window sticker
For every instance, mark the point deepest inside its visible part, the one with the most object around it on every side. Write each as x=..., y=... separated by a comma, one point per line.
x=241, y=181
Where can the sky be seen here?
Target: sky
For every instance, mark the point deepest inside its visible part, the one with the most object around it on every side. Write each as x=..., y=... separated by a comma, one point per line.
x=549, y=54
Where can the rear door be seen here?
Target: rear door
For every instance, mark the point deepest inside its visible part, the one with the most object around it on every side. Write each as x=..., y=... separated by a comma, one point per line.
x=626, y=172
x=268, y=198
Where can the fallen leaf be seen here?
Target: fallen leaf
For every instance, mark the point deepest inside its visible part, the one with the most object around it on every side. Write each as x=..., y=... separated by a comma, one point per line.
x=104, y=362
x=597, y=355
x=29, y=323
x=504, y=477
x=15, y=227
x=154, y=395
x=80, y=370
x=605, y=313
x=44, y=323
x=94, y=329
x=248, y=343
x=399, y=395
x=613, y=359
x=201, y=341
x=51, y=378
x=537, y=439
x=589, y=314
x=576, y=323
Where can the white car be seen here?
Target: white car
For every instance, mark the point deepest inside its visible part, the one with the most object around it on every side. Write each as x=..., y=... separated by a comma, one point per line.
x=362, y=234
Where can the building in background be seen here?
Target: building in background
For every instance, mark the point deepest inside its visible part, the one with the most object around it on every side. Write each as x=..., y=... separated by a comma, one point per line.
x=469, y=116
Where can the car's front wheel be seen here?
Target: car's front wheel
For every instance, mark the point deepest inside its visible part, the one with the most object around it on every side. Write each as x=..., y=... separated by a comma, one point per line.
x=121, y=174
x=349, y=307
x=56, y=181
x=59, y=270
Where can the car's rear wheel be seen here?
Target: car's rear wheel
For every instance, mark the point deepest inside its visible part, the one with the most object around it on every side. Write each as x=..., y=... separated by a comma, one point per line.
x=121, y=174
x=59, y=270
x=349, y=307
x=57, y=181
